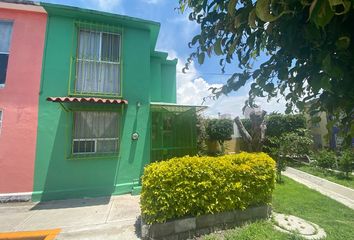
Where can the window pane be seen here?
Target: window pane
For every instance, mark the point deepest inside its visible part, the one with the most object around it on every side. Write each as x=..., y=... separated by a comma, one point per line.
x=105, y=146
x=95, y=132
x=84, y=146
x=3, y=67
x=98, y=77
x=89, y=45
x=110, y=47
x=5, y=33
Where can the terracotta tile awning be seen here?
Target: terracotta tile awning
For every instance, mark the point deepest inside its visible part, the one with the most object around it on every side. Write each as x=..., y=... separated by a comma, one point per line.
x=87, y=100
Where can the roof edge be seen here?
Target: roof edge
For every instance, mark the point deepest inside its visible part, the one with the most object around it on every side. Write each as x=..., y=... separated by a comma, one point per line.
x=19, y=5
x=124, y=20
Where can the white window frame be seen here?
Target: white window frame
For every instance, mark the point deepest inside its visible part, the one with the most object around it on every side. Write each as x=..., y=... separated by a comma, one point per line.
x=95, y=140
x=2, y=85
x=83, y=140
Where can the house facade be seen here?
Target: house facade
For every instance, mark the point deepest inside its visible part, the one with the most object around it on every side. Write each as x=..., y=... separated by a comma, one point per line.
x=22, y=31
x=107, y=105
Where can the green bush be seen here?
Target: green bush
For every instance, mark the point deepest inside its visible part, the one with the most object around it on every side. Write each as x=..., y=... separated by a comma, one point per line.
x=346, y=161
x=220, y=130
x=192, y=186
x=325, y=159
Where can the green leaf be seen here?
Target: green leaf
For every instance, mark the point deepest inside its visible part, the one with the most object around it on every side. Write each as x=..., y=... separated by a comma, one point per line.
x=217, y=47
x=315, y=83
x=232, y=48
x=231, y=7
x=263, y=11
x=252, y=19
x=340, y=7
x=269, y=87
x=321, y=13
x=327, y=63
x=238, y=21
x=325, y=83
x=201, y=58
x=343, y=43
x=195, y=39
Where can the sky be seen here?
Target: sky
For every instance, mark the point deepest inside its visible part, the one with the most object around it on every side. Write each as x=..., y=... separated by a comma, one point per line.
x=175, y=33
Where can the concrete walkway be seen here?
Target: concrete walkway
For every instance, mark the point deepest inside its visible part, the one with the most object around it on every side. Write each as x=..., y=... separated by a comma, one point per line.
x=333, y=190
x=115, y=217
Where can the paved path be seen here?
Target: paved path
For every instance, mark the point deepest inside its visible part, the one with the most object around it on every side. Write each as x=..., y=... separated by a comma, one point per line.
x=333, y=190
x=106, y=218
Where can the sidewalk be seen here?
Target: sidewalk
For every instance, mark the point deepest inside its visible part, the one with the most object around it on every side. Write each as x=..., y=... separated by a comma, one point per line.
x=335, y=191
x=113, y=217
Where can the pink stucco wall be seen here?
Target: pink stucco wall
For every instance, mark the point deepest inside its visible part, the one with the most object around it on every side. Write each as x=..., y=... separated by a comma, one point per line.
x=19, y=97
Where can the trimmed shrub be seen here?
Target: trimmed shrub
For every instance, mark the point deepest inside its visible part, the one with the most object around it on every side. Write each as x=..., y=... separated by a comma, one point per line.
x=192, y=186
x=325, y=159
x=220, y=130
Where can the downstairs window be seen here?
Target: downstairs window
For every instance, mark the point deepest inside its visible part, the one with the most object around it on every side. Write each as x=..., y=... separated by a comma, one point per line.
x=95, y=132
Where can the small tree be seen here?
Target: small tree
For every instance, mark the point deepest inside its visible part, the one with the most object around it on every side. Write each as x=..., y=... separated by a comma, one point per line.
x=325, y=159
x=346, y=162
x=220, y=130
x=293, y=144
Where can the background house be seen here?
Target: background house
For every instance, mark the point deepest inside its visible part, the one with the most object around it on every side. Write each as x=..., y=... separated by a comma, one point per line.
x=22, y=35
x=318, y=130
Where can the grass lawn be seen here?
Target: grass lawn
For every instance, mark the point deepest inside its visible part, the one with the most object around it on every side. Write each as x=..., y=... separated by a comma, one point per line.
x=295, y=199
x=330, y=176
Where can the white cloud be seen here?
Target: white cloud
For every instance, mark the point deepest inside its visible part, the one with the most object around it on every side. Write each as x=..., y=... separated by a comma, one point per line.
x=233, y=105
x=105, y=5
x=192, y=88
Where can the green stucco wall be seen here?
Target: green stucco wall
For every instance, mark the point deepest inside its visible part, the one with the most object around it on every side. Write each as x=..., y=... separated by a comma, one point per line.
x=163, y=78
x=57, y=174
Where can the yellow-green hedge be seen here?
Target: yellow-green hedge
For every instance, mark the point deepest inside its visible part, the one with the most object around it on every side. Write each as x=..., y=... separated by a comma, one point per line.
x=192, y=186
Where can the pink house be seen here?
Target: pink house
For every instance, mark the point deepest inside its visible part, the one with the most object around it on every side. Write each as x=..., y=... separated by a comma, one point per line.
x=22, y=31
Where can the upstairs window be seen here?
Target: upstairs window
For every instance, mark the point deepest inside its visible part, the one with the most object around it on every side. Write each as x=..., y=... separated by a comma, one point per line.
x=5, y=33
x=95, y=132
x=98, y=63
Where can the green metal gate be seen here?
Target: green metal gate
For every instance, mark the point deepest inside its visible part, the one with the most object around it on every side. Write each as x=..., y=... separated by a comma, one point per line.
x=173, y=131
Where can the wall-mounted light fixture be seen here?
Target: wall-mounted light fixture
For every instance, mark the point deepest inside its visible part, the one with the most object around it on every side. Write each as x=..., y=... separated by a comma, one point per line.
x=135, y=136
x=138, y=104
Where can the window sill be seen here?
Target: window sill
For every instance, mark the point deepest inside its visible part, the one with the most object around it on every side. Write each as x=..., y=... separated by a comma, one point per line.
x=108, y=156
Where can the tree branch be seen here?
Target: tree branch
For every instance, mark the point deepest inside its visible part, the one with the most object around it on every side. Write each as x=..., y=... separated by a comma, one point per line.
x=245, y=135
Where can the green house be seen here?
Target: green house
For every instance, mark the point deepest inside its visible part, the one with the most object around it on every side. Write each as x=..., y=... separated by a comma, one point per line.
x=107, y=105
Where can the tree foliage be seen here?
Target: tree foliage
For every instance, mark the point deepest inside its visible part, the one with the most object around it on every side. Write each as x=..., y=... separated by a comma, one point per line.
x=220, y=130
x=307, y=48
x=288, y=146
x=346, y=162
x=278, y=124
x=325, y=159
